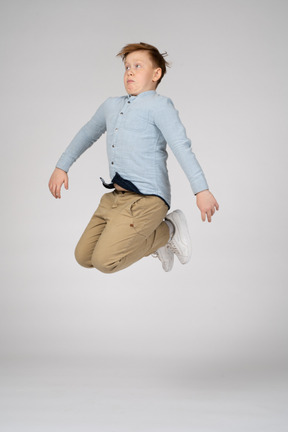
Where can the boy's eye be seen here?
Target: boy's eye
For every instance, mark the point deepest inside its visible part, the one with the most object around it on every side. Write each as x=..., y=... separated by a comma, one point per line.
x=137, y=66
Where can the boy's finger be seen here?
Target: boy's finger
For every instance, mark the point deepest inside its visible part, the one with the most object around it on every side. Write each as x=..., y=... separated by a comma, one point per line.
x=209, y=215
x=58, y=193
x=53, y=191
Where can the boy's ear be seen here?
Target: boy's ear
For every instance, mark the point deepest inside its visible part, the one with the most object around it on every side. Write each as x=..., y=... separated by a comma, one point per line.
x=157, y=74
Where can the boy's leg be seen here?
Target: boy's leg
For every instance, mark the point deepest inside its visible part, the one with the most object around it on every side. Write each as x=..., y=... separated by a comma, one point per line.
x=86, y=245
x=134, y=228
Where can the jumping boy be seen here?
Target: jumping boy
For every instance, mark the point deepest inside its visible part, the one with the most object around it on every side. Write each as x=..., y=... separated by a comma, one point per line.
x=132, y=221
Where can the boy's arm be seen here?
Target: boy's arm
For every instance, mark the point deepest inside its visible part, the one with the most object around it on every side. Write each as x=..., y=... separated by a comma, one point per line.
x=84, y=139
x=168, y=121
x=87, y=135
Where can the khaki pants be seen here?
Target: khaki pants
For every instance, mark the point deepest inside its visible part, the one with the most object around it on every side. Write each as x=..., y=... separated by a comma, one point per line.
x=125, y=227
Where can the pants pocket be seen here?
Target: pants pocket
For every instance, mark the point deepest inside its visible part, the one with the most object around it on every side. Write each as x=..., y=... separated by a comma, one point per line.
x=147, y=213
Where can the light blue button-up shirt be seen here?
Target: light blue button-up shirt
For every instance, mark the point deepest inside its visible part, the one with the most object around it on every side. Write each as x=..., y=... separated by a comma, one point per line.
x=138, y=131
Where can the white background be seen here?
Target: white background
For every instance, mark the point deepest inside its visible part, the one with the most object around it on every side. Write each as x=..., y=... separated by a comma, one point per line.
x=227, y=309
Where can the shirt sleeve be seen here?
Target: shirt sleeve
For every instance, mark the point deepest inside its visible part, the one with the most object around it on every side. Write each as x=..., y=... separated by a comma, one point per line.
x=168, y=122
x=84, y=139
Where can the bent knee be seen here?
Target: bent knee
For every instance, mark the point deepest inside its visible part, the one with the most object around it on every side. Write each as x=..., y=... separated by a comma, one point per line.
x=103, y=264
x=83, y=259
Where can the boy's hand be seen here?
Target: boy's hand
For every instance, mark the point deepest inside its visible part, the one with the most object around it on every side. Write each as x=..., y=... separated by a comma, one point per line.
x=207, y=204
x=58, y=177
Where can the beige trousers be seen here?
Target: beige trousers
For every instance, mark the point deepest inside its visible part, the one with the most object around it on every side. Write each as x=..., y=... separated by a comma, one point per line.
x=125, y=227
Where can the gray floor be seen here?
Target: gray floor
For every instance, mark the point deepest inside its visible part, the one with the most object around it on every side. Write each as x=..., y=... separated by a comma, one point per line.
x=86, y=396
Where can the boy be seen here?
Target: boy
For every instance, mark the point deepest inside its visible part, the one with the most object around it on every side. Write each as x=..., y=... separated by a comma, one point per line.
x=132, y=221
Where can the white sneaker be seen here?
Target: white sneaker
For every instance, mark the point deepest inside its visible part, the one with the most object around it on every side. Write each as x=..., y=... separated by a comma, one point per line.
x=166, y=256
x=180, y=244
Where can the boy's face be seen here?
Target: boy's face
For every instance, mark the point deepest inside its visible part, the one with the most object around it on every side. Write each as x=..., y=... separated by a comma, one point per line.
x=140, y=73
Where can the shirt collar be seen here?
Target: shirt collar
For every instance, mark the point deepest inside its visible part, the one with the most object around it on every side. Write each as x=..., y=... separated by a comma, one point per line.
x=149, y=92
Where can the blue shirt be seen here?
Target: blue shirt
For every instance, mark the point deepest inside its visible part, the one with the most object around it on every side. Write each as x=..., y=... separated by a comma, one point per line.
x=138, y=131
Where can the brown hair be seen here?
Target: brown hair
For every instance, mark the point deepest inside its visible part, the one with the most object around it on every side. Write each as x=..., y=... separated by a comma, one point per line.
x=156, y=57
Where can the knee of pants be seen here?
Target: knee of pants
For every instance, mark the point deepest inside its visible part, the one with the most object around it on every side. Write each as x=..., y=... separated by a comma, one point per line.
x=103, y=264
x=82, y=258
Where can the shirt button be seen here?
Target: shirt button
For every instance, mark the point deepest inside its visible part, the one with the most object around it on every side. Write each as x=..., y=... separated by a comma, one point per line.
x=128, y=101
x=113, y=145
x=112, y=163
x=121, y=113
x=116, y=129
